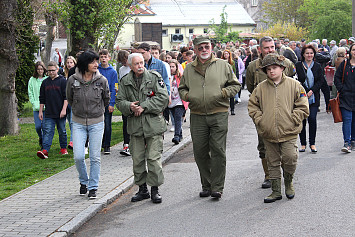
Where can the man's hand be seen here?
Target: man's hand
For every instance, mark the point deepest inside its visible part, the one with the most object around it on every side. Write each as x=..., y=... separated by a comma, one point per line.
x=111, y=109
x=63, y=113
x=136, y=109
x=40, y=115
x=310, y=93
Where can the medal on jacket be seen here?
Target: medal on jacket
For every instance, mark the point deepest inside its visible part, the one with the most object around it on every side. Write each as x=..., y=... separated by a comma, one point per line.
x=151, y=94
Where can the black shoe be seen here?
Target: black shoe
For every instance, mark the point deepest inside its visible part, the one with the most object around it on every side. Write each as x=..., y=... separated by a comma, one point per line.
x=92, y=194
x=107, y=150
x=83, y=189
x=175, y=140
x=232, y=112
x=303, y=148
x=216, y=194
x=266, y=184
x=205, y=193
x=313, y=150
x=156, y=198
x=141, y=194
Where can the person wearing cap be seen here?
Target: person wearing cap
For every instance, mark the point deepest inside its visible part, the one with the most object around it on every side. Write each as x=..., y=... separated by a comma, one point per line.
x=254, y=76
x=351, y=40
x=208, y=83
x=278, y=106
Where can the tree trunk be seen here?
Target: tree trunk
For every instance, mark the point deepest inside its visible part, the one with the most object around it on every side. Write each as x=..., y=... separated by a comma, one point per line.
x=50, y=22
x=8, y=67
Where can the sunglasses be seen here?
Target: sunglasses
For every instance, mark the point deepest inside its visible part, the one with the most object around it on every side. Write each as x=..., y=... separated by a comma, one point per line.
x=207, y=47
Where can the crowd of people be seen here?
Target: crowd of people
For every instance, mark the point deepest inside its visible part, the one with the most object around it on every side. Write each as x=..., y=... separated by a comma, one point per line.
x=154, y=88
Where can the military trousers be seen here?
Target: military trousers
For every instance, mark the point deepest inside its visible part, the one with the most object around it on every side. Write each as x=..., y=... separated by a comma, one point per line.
x=281, y=155
x=146, y=155
x=209, y=135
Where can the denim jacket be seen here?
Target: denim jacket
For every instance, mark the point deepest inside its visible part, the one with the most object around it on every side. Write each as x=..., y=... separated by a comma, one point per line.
x=158, y=66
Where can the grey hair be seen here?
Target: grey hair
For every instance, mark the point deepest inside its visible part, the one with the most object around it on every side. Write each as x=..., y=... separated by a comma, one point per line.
x=265, y=39
x=315, y=45
x=254, y=41
x=325, y=40
x=133, y=55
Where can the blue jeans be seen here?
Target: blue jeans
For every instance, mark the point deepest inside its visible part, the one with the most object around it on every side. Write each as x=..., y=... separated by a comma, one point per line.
x=48, y=132
x=80, y=133
x=348, y=125
x=38, y=124
x=69, y=116
x=177, y=113
x=312, y=121
x=106, y=141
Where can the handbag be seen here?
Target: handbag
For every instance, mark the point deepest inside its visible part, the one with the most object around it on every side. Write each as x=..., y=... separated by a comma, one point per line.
x=334, y=104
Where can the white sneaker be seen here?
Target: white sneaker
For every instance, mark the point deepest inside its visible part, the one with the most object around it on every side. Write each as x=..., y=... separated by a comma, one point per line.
x=86, y=151
x=172, y=129
x=239, y=100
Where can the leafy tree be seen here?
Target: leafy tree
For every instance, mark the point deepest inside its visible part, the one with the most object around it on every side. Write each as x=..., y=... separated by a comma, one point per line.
x=8, y=67
x=26, y=46
x=221, y=30
x=284, y=11
x=328, y=19
x=287, y=30
x=93, y=23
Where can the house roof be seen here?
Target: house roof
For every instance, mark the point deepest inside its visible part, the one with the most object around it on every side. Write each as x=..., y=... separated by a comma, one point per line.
x=182, y=13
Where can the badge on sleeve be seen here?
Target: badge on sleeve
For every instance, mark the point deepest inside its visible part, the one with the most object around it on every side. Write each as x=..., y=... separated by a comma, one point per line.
x=303, y=93
x=161, y=83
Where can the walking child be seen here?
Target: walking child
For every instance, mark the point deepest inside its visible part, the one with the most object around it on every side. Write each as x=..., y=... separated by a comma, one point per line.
x=278, y=106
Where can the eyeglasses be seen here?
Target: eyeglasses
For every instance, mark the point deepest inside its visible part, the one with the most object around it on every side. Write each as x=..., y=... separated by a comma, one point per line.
x=51, y=70
x=207, y=47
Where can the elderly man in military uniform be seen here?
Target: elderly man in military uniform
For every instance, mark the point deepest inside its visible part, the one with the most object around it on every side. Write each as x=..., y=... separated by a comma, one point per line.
x=142, y=97
x=254, y=76
x=208, y=83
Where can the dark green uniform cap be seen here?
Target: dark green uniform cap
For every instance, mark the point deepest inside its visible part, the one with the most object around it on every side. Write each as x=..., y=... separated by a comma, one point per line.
x=273, y=59
x=201, y=39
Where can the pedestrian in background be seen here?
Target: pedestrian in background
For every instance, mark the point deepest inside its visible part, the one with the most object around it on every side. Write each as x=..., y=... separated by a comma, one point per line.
x=34, y=86
x=88, y=94
x=52, y=97
x=278, y=105
x=227, y=55
x=70, y=62
x=110, y=74
x=207, y=84
x=58, y=57
x=311, y=76
x=344, y=81
x=142, y=97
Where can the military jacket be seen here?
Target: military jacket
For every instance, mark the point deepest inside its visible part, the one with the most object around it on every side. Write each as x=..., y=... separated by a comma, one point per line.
x=152, y=96
x=255, y=74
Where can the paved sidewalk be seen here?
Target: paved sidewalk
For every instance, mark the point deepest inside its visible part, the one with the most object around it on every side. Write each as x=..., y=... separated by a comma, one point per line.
x=54, y=207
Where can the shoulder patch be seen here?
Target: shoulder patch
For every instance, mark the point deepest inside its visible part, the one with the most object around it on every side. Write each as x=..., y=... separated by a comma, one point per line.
x=303, y=93
x=161, y=83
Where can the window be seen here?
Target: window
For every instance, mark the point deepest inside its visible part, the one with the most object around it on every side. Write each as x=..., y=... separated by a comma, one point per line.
x=164, y=32
x=205, y=30
x=177, y=30
x=191, y=31
x=254, y=3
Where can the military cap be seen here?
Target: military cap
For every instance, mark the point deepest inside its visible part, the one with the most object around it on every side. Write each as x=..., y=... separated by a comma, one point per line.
x=352, y=39
x=201, y=39
x=272, y=59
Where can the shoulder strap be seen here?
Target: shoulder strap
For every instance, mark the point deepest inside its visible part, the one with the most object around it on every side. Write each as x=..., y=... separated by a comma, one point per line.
x=342, y=79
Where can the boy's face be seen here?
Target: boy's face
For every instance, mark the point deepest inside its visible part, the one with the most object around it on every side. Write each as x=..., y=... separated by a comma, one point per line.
x=155, y=53
x=274, y=72
x=52, y=71
x=104, y=59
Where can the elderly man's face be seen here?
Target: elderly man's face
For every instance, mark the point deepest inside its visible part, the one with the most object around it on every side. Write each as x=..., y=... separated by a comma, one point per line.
x=293, y=46
x=137, y=66
x=203, y=51
x=267, y=47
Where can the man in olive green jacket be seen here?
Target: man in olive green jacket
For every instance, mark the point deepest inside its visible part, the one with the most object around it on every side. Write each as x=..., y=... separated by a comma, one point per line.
x=142, y=96
x=256, y=75
x=208, y=83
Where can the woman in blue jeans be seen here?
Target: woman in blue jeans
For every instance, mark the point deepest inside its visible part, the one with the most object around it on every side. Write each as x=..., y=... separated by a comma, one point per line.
x=311, y=76
x=346, y=89
x=34, y=86
x=88, y=94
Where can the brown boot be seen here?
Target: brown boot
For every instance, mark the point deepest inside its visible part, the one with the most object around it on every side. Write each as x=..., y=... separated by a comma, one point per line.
x=276, y=191
x=289, y=190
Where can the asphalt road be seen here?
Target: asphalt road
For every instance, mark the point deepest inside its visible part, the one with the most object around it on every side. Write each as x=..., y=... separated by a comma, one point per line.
x=324, y=204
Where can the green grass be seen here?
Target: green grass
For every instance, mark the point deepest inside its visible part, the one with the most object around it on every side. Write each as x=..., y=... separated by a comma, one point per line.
x=116, y=112
x=21, y=168
x=27, y=110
